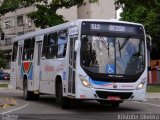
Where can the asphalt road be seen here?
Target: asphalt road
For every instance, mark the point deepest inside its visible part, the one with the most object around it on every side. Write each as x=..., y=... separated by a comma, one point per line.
x=46, y=108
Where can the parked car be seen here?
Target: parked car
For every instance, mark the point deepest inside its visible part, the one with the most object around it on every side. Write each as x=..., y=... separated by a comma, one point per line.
x=4, y=76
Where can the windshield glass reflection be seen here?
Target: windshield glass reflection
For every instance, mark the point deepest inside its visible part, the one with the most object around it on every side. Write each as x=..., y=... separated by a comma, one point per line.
x=112, y=55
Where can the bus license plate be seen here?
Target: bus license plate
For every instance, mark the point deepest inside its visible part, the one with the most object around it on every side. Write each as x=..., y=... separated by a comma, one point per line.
x=113, y=98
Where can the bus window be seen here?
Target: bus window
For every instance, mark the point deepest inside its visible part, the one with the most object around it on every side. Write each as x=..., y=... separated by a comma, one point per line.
x=52, y=42
x=28, y=49
x=62, y=43
x=14, y=54
x=49, y=46
x=44, y=46
x=32, y=48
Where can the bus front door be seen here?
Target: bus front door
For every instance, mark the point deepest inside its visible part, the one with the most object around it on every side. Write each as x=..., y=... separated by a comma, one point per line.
x=19, y=82
x=37, y=59
x=72, y=65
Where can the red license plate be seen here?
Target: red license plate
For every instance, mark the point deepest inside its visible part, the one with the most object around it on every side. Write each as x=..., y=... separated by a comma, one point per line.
x=113, y=98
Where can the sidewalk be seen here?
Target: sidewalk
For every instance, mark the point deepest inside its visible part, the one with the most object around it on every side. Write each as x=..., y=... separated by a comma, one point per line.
x=153, y=95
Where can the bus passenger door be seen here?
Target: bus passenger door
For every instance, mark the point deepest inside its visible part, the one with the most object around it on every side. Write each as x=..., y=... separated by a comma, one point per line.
x=72, y=65
x=19, y=75
x=37, y=59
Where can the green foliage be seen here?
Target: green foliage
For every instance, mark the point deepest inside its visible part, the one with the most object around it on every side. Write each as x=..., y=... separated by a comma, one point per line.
x=3, y=60
x=8, y=5
x=153, y=88
x=46, y=15
x=145, y=12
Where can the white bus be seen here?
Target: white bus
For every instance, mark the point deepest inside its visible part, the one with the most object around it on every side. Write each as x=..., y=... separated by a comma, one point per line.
x=86, y=59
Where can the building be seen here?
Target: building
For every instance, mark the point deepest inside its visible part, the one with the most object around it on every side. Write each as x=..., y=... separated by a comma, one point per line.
x=17, y=23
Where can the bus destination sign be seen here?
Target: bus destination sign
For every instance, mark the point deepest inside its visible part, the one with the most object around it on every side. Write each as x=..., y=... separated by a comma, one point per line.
x=111, y=27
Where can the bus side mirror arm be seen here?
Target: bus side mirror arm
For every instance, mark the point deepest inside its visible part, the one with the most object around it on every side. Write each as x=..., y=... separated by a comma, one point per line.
x=77, y=45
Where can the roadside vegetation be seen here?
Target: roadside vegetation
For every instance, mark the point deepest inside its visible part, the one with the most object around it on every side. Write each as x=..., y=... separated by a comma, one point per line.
x=3, y=85
x=146, y=12
x=153, y=88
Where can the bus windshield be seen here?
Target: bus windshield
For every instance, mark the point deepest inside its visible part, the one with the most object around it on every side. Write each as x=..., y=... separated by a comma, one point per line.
x=112, y=55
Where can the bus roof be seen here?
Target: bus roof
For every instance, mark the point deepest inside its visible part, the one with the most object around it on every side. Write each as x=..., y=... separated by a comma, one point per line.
x=67, y=25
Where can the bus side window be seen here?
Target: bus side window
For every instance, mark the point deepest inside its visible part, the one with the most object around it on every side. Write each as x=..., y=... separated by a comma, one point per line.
x=54, y=37
x=14, y=53
x=52, y=41
x=32, y=43
x=44, y=51
x=62, y=43
x=28, y=49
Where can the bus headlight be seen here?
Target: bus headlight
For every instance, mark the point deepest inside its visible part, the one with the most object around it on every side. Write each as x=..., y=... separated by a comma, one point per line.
x=85, y=82
x=141, y=85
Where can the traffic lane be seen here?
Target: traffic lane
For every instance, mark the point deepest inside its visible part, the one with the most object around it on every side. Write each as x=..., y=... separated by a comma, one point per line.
x=14, y=98
x=47, y=105
x=46, y=108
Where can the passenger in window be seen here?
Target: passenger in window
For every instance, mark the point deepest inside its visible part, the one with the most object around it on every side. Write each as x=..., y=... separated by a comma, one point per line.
x=52, y=41
x=62, y=41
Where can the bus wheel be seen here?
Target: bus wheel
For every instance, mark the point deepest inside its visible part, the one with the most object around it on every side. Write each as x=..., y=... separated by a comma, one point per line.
x=26, y=94
x=115, y=104
x=36, y=96
x=63, y=101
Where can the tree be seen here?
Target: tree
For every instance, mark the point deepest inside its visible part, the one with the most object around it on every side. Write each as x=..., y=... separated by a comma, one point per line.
x=3, y=60
x=46, y=15
x=145, y=12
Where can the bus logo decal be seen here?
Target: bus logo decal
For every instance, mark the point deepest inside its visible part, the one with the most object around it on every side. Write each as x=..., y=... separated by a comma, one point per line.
x=27, y=68
x=49, y=68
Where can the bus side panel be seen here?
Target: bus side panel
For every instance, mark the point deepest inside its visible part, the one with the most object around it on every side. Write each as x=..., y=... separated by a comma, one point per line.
x=13, y=75
x=47, y=75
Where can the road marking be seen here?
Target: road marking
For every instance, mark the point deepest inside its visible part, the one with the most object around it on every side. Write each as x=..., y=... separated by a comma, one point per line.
x=149, y=104
x=10, y=102
x=15, y=109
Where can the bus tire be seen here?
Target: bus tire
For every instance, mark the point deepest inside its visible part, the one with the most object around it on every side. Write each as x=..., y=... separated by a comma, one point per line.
x=63, y=101
x=35, y=96
x=115, y=104
x=26, y=94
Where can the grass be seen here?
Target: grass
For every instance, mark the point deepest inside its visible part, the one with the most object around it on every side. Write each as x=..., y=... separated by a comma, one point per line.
x=3, y=85
x=153, y=88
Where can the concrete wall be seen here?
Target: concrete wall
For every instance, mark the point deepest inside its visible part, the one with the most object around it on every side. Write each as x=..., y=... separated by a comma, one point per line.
x=105, y=9
x=69, y=14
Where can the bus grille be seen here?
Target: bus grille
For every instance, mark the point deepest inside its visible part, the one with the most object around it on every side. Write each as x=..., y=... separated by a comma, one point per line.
x=122, y=95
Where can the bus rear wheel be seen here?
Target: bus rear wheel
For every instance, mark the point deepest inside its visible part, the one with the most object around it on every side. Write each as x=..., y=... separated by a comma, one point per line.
x=26, y=94
x=63, y=101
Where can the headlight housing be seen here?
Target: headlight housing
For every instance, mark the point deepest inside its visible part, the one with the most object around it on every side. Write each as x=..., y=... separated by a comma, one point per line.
x=84, y=81
x=141, y=84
